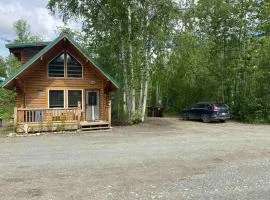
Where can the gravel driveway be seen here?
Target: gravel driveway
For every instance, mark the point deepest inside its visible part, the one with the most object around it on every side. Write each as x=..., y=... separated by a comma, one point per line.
x=161, y=159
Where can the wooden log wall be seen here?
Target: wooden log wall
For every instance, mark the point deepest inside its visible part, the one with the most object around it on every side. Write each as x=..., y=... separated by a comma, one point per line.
x=37, y=83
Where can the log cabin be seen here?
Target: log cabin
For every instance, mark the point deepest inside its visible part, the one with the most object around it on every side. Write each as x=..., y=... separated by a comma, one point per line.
x=59, y=87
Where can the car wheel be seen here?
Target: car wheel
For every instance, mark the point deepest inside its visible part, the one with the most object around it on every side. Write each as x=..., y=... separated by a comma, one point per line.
x=185, y=117
x=223, y=120
x=205, y=118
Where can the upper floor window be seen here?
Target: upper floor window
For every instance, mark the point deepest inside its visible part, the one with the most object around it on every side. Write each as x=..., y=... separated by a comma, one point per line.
x=65, y=65
x=57, y=66
x=74, y=68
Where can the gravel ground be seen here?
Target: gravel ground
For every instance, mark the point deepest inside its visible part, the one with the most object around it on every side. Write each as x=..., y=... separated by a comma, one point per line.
x=161, y=159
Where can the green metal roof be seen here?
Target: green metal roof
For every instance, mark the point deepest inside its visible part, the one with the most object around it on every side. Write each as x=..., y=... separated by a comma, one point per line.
x=27, y=44
x=47, y=48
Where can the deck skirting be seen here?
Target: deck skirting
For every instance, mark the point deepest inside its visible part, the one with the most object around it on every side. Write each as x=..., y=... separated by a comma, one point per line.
x=33, y=127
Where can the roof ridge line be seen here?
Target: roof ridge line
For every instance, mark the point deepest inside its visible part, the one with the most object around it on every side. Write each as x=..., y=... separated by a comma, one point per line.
x=48, y=47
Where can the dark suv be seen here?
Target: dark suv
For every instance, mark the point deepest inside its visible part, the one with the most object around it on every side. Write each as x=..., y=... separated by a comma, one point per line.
x=207, y=112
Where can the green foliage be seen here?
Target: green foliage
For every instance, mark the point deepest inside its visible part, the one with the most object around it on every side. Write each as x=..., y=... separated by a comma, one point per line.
x=213, y=50
x=226, y=59
x=7, y=129
x=136, y=118
x=7, y=103
x=124, y=36
x=23, y=33
x=67, y=31
x=7, y=97
x=11, y=64
x=2, y=67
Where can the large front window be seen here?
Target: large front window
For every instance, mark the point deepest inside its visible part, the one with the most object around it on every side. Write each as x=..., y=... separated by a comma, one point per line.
x=56, y=99
x=64, y=65
x=74, y=97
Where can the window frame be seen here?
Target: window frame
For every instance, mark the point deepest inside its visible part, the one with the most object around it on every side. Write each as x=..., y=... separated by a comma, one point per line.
x=82, y=101
x=65, y=66
x=64, y=94
x=51, y=61
x=67, y=52
x=65, y=97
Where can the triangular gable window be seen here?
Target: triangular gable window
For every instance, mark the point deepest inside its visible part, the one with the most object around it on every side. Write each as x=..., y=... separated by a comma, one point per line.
x=64, y=65
x=74, y=68
x=56, y=66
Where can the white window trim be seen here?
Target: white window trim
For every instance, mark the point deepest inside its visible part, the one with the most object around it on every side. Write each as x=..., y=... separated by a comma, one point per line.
x=60, y=89
x=65, y=96
x=82, y=101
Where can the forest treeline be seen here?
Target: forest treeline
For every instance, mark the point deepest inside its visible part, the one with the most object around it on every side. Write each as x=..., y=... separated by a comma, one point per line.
x=179, y=52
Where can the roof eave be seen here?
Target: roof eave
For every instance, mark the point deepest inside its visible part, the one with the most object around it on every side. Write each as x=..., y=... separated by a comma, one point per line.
x=31, y=61
x=27, y=44
x=47, y=48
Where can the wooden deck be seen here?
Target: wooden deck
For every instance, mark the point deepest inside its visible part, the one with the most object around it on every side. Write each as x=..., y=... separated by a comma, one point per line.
x=61, y=126
x=28, y=120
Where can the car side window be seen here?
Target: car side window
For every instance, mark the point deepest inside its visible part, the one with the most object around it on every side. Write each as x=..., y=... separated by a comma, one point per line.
x=199, y=105
x=202, y=106
x=194, y=106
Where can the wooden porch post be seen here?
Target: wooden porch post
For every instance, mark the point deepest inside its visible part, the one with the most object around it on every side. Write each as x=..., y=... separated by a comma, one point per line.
x=80, y=111
x=15, y=117
x=110, y=112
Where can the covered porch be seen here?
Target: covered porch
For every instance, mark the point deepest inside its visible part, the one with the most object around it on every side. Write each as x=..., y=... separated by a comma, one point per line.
x=27, y=120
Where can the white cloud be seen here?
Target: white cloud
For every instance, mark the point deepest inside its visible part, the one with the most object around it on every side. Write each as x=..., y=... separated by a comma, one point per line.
x=41, y=22
x=35, y=13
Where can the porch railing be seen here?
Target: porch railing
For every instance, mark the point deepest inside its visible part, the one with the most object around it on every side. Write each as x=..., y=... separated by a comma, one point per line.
x=38, y=115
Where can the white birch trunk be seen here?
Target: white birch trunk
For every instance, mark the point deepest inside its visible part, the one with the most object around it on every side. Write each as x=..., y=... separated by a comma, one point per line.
x=133, y=97
x=145, y=89
x=157, y=93
x=141, y=89
x=146, y=71
x=125, y=89
x=141, y=94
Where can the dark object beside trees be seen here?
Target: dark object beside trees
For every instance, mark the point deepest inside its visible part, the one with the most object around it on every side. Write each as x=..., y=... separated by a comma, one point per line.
x=155, y=111
x=1, y=122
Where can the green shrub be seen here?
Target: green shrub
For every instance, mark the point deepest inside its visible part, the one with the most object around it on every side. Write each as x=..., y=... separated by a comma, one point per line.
x=7, y=103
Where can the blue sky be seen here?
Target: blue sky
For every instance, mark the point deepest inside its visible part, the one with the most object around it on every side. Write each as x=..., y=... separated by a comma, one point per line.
x=34, y=12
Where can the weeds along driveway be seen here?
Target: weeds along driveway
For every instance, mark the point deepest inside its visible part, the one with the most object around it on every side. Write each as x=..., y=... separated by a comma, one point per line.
x=160, y=159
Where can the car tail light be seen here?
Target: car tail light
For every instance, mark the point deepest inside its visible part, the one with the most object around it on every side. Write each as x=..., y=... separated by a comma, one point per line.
x=214, y=108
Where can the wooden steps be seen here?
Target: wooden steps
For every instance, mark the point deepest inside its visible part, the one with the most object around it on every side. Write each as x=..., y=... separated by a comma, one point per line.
x=95, y=125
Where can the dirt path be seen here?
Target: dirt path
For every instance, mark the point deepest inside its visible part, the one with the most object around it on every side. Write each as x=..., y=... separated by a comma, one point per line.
x=160, y=159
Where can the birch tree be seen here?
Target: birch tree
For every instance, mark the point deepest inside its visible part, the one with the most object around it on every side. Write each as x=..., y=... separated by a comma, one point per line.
x=179, y=52
x=135, y=23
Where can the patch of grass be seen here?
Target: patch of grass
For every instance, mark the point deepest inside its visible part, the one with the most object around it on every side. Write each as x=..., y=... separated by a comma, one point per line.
x=6, y=129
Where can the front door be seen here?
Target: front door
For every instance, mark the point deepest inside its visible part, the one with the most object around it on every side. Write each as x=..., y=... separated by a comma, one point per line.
x=92, y=105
